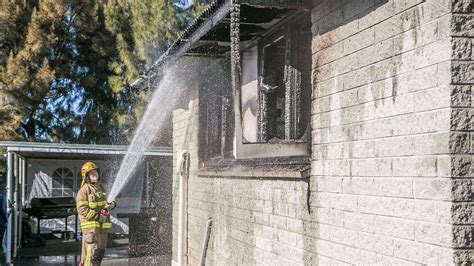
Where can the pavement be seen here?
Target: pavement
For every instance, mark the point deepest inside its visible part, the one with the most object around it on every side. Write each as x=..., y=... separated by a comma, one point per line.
x=67, y=252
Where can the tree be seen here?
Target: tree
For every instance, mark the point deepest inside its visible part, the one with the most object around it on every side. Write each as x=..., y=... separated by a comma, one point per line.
x=54, y=85
x=65, y=65
x=14, y=19
x=143, y=30
x=27, y=74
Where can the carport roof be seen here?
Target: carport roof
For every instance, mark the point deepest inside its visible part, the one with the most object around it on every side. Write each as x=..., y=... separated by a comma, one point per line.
x=40, y=150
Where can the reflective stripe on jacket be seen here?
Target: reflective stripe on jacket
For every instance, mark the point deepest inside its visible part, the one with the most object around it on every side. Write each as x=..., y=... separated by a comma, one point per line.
x=90, y=200
x=95, y=224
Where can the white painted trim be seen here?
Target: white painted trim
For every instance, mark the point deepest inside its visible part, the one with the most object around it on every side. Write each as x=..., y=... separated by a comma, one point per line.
x=9, y=229
x=249, y=151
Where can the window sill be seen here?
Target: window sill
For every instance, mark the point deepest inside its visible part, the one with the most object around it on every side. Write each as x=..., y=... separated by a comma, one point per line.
x=271, y=150
x=271, y=168
x=276, y=141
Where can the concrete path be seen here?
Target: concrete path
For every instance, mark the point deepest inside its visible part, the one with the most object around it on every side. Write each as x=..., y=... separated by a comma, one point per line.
x=61, y=252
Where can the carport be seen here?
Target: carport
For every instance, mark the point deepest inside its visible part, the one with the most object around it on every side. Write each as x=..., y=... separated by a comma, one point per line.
x=18, y=154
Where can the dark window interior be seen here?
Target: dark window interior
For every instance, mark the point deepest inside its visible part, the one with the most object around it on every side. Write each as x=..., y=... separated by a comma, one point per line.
x=273, y=89
x=285, y=84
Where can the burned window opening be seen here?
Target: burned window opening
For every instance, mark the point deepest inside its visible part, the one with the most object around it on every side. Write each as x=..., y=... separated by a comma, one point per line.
x=281, y=88
x=284, y=89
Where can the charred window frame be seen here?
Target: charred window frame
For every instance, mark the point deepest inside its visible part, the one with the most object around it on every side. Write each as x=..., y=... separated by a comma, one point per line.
x=284, y=90
x=221, y=130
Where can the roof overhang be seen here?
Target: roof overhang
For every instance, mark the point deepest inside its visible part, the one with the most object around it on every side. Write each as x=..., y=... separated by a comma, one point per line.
x=39, y=150
x=209, y=34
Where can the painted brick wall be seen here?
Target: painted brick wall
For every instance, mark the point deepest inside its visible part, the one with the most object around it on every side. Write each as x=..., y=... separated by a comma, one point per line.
x=391, y=164
x=462, y=79
x=255, y=221
x=391, y=129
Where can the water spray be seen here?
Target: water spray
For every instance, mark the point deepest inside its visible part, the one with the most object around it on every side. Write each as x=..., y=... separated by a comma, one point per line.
x=174, y=82
x=163, y=100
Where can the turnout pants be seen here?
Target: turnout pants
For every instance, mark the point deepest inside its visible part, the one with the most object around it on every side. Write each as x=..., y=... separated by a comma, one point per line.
x=94, y=242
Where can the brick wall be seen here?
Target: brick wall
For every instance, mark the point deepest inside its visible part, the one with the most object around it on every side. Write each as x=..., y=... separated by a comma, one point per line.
x=387, y=123
x=461, y=172
x=254, y=220
x=391, y=165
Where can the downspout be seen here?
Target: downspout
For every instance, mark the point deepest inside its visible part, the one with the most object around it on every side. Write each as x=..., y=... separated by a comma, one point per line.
x=9, y=208
x=182, y=166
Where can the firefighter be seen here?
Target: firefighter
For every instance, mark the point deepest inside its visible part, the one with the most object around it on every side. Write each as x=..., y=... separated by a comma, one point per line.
x=93, y=211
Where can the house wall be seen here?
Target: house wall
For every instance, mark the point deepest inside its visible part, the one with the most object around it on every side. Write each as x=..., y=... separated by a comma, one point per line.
x=391, y=164
x=254, y=220
x=461, y=170
x=391, y=130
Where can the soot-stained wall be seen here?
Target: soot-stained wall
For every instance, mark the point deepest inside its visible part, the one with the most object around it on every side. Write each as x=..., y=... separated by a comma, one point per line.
x=391, y=175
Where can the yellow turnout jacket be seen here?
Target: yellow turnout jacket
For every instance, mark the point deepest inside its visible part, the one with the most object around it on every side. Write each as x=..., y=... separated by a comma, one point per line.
x=90, y=200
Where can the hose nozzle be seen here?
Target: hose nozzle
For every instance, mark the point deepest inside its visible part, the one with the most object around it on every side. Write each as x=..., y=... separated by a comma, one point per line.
x=110, y=205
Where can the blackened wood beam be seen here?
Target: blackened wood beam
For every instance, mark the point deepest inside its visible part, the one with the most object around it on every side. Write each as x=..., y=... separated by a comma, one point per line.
x=293, y=4
x=180, y=47
x=234, y=99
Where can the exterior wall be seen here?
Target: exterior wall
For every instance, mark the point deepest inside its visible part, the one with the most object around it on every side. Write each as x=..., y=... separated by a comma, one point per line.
x=391, y=164
x=185, y=134
x=390, y=131
x=461, y=170
x=255, y=221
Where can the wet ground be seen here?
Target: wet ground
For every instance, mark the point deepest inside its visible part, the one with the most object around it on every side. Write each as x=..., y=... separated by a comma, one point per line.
x=67, y=252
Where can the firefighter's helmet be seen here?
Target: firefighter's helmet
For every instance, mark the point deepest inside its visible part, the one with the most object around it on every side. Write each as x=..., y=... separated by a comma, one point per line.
x=86, y=168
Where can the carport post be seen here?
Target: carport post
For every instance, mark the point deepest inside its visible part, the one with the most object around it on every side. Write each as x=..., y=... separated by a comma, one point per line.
x=20, y=199
x=16, y=225
x=9, y=195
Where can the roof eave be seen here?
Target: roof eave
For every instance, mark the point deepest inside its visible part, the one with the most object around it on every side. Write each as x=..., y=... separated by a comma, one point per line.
x=77, y=149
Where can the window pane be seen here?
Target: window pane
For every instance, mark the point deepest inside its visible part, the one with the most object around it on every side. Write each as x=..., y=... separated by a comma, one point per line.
x=56, y=192
x=68, y=183
x=57, y=183
x=57, y=173
x=68, y=173
x=62, y=178
x=67, y=193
